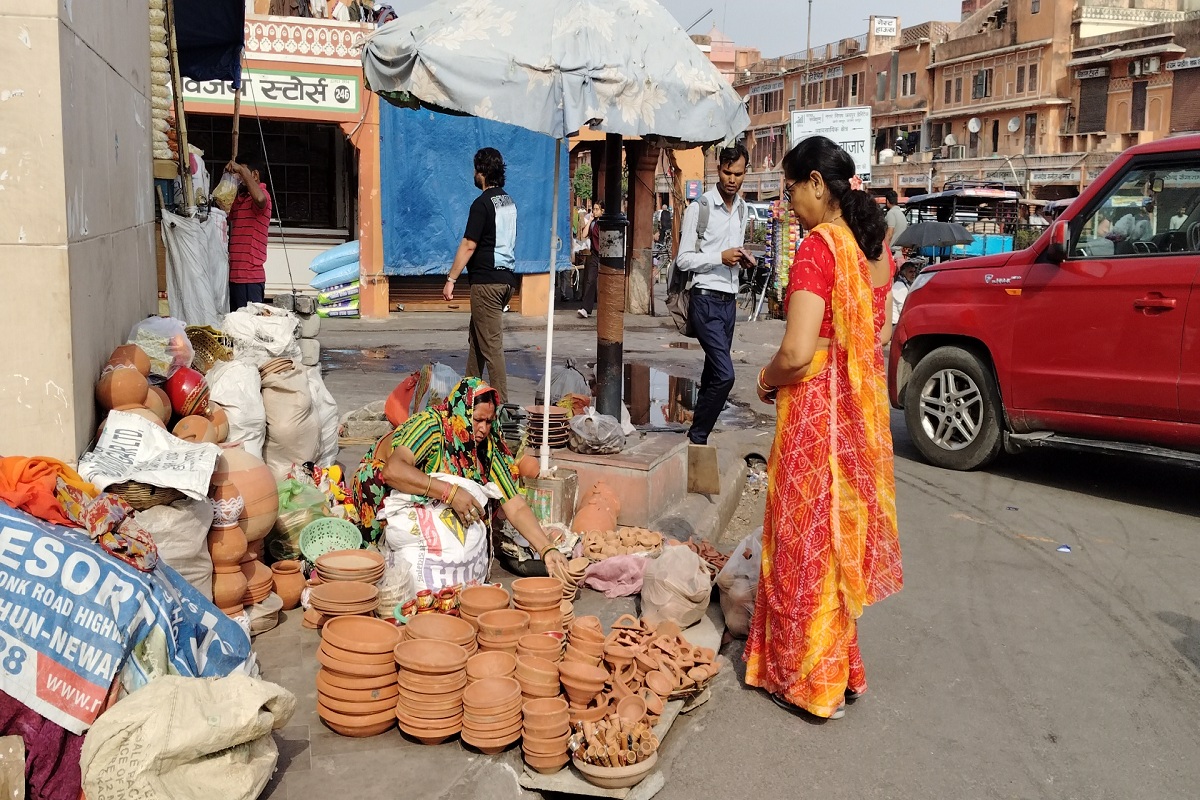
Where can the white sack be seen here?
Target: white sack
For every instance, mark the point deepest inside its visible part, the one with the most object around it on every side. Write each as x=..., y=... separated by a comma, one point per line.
x=261, y=333
x=197, y=268
x=293, y=431
x=325, y=407
x=677, y=586
x=181, y=532
x=236, y=387
x=131, y=448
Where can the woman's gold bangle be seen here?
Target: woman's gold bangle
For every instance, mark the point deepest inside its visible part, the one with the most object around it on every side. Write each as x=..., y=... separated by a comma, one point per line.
x=453, y=491
x=544, y=550
x=429, y=487
x=763, y=386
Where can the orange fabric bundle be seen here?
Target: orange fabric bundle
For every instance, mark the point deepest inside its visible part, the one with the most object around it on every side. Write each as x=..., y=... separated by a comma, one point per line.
x=29, y=484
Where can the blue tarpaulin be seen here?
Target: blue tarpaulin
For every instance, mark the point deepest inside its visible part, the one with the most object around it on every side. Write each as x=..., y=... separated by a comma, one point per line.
x=426, y=179
x=210, y=36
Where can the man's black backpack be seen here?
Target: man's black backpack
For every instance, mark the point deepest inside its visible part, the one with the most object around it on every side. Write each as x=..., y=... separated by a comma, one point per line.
x=678, y=298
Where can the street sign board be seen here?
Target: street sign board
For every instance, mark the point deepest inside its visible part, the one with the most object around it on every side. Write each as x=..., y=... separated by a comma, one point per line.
x=886, y=26
x=849, y=127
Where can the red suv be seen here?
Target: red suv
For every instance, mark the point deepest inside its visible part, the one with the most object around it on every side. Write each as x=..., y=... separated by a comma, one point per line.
x=1089, y=339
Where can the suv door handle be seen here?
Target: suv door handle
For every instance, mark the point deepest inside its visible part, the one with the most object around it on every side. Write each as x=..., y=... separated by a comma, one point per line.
x=1154, y=302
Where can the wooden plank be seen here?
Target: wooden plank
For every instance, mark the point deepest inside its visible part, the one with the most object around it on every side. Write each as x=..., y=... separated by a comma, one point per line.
x=704, y=473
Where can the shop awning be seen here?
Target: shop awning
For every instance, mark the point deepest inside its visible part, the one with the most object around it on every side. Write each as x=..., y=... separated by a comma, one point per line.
x=1104, y=58
x=210, y=35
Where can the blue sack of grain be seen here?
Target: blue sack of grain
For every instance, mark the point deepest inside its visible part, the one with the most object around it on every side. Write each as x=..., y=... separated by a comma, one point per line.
x=335, y=257
x=343, y=274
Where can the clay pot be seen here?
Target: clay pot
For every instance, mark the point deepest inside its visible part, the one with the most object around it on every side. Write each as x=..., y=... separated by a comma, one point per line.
x=492, y=694
x=660, y=682
x=430, y=657
x=256, y=483
x=546, y=712
x=504, y=623
x=144, y=413
x=360, y=634
x=605, y=493
x=156, y=401
x=579, y=715
x=547, y=765
x=441, y=627
x=289, y=584
x=188, y=391
x=537, y=746
x=122, y=387
x=541, y=645
x=220, y=420
x=226, y=546
x=576, y=656
x=536, y=670
x=528, y=467
x=351, y=682
x=131, y=355
x=227, y=505
x=618, y=656
x=228, y=590
x=328, y=689
x=352, y=657
x=476, y=600
x=490, y=665
x=631, y=710
x=537, y=593
x=591, y=517
x=195, y=429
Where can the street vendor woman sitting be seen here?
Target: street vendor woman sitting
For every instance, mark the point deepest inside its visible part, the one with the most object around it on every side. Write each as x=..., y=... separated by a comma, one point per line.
x=456, y=438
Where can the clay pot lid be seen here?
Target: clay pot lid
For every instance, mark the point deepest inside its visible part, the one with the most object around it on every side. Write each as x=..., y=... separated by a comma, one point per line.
x=430, y=656
x=440, y=627
x=491, y=693
x=491, y=665
x=502, y=622
x=343, y=593
x=584, y=674
x=483, y=598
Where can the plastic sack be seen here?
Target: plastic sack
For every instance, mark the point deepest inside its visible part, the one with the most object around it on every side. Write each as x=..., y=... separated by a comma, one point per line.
x=596, y=433
x=677, y=586
x=568, y=380
x=166, y=344
x=131, y=448
x=396, y=587
x=433, y=386
x=617, y=576
x=261, y=333
x=336, y=294
x=226, y=191
x=180, y=531
x=235, y=386
x=326, y=409
x=738, y=582
x=344, y=274
x=186, y=738
x=197, y=267
x=299, y=504
x=335, y=257
x=293, y=431
x=346, y=308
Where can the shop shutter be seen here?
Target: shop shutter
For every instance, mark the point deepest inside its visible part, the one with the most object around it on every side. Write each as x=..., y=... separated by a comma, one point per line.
x=1185, y=106
x=1093, y=105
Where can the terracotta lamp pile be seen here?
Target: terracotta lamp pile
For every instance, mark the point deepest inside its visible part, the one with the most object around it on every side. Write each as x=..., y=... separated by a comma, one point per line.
x=501, y=629
x=655, y=662
x=541, y=599
x=492, y=714
x=442, y=628
x=227, y=547
x=432, y=678
x=598, y=510
x=356, y=685
x=476, y=600
x=599, y=545
x=490, y=665
x=545, y=734
x=287, y=578
x=363, y=566
x=538, y=677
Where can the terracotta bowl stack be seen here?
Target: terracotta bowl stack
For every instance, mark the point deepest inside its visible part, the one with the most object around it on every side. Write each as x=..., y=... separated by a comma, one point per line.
x=343, y=599
x=490, y=665
x=541, y=598
x=538, y=678
x=364, y=566
x=545, y=732
x=432, y=677
x=356, y=685
x=585, y=641
x=583, y=683
x=501, y=629
x=568, y=614
x=560, y=426
x=492, y=714
x=476, y=600
x=576, y=571
x=541, y=645
x=442, y=628
x=259, y=582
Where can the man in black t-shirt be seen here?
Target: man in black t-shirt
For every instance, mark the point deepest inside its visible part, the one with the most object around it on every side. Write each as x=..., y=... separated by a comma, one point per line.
x=488, y=253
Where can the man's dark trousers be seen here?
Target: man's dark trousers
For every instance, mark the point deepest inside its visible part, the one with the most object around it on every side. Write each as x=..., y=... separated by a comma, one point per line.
x=712, y=319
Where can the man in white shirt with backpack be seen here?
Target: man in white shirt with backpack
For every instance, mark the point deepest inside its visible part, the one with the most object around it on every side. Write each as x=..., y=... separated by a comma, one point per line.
x=711, y=253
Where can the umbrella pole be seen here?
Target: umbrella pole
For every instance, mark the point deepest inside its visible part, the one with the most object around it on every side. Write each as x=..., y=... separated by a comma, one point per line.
x=610, y=316
x=544, y=465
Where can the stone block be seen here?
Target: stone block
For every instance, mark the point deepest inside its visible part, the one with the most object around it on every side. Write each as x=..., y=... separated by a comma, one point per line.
x=310, y=352
x=310, y=326
x=305, y=304
x=649, y=477
x=285, y=301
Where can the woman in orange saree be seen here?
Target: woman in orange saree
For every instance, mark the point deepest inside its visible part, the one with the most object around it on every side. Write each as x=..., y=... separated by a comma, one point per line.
x=830, y=542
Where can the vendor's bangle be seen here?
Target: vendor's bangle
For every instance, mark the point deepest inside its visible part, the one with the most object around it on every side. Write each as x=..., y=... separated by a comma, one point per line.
x=429, y=486
x=451, y=493
x=449, y=279
x=544, y=550
x=763, y=386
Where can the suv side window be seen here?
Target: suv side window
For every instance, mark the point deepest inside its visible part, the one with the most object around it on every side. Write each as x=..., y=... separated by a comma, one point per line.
x=1153, y=209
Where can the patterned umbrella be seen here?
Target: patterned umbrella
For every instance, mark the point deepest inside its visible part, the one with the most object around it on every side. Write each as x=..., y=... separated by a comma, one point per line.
x=933, y=234
x=555, y=66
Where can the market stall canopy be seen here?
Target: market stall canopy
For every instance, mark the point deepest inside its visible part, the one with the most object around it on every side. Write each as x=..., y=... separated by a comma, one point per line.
x=555, y=66
x=210, y=35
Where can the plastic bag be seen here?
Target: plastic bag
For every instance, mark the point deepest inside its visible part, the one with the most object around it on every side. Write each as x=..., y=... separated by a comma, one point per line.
x=236, y=387
x=568, y=380
x=738, y=582
x=299, y=504
x=396, y=587
x=617, y=576
x=166, y=343
x=226, y=191
x=434, y=384
x=677, y=587
x=197, y=256
x=596, y=433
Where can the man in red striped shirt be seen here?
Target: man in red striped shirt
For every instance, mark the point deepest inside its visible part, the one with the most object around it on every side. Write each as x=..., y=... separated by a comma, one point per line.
x=249, y=220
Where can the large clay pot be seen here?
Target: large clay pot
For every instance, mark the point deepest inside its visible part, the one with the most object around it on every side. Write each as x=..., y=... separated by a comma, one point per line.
x=121, y=387
x=158, y=402
x=289, y=582
x=256, y=483
x=591, y=517
x=228, y=590
x=132, y=355
x=195, y=429
x=188, y=391
x=227, y=547
x=528, y=467
x=220, y=420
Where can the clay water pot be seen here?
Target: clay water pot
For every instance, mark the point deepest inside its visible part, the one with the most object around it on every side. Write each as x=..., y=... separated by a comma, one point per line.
x=131, y=355
x=289, y=583
x=188, y=391
x=220, y=420
x=226, y=547
x=122, y=388
x=156, y=401
x=256, y=484
x=592, y=518
x=228, y=590
x=227, y=504
x=195, y=429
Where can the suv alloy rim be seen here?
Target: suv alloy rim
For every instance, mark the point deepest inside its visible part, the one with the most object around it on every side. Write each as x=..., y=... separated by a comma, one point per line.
x=951, y=409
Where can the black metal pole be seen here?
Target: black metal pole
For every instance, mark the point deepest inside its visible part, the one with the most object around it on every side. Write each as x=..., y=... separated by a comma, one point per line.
x=610, y=317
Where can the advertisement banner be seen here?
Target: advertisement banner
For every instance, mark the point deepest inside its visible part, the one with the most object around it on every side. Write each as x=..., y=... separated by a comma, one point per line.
x=849, y=127
x=73, y=618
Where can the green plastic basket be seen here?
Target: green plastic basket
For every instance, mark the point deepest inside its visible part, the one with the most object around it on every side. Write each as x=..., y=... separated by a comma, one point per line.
x=325, y=535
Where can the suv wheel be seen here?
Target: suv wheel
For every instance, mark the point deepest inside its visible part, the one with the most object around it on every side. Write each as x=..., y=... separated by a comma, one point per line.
x=952, y=410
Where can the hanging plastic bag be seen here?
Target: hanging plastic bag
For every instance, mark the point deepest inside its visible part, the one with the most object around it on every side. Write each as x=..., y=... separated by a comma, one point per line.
x=433, y=386
x=166, y=343
x=738, y=582
x=677, y=587
x=568, y=380
x=299, y=504
x=596, y=433
x=226, y=191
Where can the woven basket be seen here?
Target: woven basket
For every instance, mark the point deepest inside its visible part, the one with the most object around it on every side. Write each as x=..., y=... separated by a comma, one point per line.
x=210, y=346
x=143, y=496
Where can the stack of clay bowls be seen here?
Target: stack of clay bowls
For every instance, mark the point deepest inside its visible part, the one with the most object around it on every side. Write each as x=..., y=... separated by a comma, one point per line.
x=560, y=426
x=492, y=714
x=356, y=685
x=442, y=628
x=568, y=614
x=432, y=677
x=583, y=683
x=538, y=677
x=259, y=581
x=476, y=600
x=343, y=598
x=545, y=733
x=501, y=629
x=490, y=665
x=541, y=645
x=363, y=566
x=585, y=641
x=541, y=598
x=573, y=576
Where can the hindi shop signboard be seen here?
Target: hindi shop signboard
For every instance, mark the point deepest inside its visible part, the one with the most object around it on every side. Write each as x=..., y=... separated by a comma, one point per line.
x=318, y=95
x=849, y=127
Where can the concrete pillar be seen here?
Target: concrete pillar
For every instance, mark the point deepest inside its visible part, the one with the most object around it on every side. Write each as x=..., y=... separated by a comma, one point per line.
x=76, y=211
x=373, y=293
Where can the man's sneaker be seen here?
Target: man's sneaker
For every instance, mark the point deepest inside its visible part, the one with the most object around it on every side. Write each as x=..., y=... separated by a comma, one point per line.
x=506, y=309
x=583, y=313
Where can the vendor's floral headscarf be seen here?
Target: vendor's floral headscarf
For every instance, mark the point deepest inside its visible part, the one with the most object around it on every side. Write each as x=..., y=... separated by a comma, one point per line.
x=462, y=456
